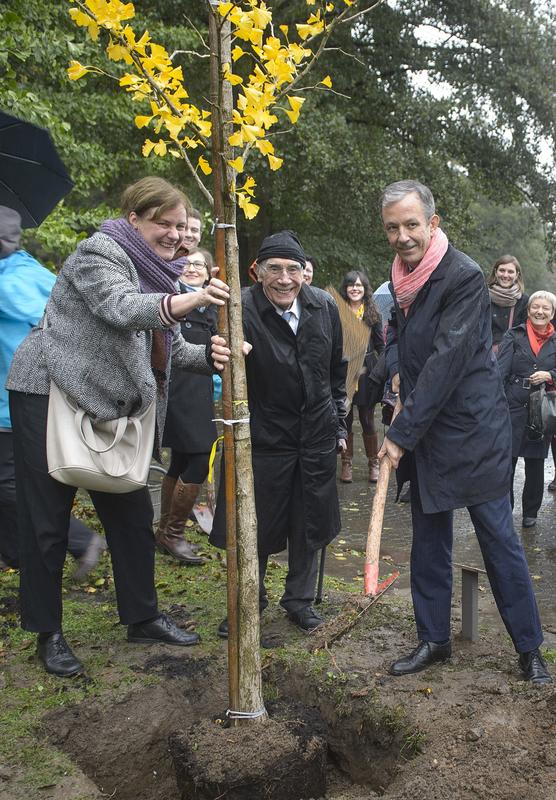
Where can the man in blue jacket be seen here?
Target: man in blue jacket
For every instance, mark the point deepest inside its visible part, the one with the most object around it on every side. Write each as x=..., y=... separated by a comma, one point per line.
x=451, y=437
x=24, y=289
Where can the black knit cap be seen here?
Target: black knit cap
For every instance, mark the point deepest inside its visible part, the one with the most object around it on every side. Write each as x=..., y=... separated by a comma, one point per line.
x=10, y=231
x=283, y=244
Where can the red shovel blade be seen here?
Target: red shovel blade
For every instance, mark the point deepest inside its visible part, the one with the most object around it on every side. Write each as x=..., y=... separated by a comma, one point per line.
x=371, y=585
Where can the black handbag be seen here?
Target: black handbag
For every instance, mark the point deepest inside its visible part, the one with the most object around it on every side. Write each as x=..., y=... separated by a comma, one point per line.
x=548, y=411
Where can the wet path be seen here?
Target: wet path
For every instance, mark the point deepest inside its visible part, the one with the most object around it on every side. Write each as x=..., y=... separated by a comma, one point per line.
x=346, y=556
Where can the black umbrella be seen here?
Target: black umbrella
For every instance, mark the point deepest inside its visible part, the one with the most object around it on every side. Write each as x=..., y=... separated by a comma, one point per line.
x=32, y=176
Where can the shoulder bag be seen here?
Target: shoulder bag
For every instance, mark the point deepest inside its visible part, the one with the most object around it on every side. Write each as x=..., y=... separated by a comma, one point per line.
x=111, y=456
x=548, y=412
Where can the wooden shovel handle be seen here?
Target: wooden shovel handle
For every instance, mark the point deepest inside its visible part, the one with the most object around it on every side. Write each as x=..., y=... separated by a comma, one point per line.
x=372, y=551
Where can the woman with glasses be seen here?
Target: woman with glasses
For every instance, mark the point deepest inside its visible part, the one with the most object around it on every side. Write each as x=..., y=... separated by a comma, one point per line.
x=527, y=360
x=189, y=430
x=356, y=291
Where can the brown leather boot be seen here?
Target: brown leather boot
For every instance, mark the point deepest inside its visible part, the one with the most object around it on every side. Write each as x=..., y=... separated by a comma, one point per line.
x=166, y=493
x=346, y=475
x=170, y=539
x=370, y=441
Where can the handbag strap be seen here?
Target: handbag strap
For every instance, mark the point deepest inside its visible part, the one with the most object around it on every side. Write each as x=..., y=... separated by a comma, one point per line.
x=97, y=453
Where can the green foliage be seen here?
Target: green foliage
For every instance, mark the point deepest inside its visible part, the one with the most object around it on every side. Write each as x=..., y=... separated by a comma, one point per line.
x=468, y=108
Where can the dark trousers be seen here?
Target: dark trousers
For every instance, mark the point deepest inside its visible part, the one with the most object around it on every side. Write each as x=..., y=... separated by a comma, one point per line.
x=533, y=487
x=508, y=573
x=299, y=590
x=43, y=507
x=79, y=535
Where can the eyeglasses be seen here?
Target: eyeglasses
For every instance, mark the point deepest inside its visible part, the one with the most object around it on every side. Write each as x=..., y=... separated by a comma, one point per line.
x=292, y=270
x=198, y=266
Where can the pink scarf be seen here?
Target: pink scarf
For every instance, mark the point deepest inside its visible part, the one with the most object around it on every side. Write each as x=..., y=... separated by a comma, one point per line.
x=408, y=284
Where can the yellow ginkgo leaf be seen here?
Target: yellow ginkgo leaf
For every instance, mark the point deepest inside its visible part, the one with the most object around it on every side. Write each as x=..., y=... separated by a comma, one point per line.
x=237, y=52
x=76, y=70
x=204, y=165
x=264, y=146
x=249, y=209
x=147, y=147
x=236, y=139
x=141, y=122
x=327, y=81
x=248, y=186
x=160, y=148
x=274, y=162
x=237, y=164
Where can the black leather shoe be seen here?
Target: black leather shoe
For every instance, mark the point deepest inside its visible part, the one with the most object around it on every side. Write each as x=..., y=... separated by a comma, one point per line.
x=425, y=654
x=57, y=657
x=222, y=630
x=529, y=522
x=307, y=619
x=160, y=631
x=534, y=668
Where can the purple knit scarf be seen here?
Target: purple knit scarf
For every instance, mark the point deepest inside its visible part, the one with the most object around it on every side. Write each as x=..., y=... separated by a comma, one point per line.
x=155, y=275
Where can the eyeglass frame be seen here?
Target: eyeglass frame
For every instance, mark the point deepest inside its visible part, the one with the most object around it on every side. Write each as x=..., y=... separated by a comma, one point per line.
x=196, y=266
x=276, y=269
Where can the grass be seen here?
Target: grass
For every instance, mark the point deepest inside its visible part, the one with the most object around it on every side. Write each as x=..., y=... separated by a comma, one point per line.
x=91, y=627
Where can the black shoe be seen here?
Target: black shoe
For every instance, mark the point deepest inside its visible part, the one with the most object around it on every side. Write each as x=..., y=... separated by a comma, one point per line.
x=425, y=654
x=306, y=618
x=529, y=522
x=160, y=630
x=56, y=655
x=534, y=668
x=222, y=630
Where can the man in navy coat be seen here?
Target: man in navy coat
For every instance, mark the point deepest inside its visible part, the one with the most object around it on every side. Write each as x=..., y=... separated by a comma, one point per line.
x=452, y=435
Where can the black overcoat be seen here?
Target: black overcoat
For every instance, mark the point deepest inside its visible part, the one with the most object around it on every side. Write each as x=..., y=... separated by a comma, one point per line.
x=455, y=415
x=501, y=317
x=517, y=361
x=365, y=389
x=189, y=427
x=296, y=390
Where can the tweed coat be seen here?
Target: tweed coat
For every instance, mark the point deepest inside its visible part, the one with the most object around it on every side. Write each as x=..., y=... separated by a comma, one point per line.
x=455, y=418
x=97, y=343
x=517, y=360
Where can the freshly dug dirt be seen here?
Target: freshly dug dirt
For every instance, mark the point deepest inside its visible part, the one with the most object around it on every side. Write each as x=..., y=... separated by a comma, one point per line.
x=465, y=730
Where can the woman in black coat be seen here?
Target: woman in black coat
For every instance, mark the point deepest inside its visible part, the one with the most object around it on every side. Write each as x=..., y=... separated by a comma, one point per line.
x=356, y=291
x=508, y=301
x=527, y=360
x=189, y=431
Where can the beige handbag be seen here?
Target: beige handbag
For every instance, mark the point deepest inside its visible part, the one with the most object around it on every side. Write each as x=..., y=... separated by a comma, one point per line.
x=111, y=456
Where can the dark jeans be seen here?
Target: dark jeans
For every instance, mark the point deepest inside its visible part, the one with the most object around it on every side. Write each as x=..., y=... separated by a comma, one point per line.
x=43, y=507
x=508, y=573
x=79, y=535
x=533, y=487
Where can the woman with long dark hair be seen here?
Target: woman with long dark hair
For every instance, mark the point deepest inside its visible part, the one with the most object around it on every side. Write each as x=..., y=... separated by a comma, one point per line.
x=356, y=291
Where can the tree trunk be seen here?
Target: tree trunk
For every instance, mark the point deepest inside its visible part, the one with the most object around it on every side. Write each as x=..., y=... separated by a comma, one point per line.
x=243, y=586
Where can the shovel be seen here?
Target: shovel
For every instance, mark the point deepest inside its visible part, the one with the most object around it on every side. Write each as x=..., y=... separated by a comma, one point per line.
x=371, y=585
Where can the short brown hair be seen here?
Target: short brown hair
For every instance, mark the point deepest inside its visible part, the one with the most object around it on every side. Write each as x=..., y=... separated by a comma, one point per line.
x=507, y=259
x=154, y=193
x=206, y=255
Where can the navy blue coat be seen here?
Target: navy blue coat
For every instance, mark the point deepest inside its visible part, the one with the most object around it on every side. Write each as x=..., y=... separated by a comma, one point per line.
x=516, y=359
x=455, y=417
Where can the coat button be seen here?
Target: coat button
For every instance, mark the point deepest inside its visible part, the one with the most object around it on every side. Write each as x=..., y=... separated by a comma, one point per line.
x=187, y=324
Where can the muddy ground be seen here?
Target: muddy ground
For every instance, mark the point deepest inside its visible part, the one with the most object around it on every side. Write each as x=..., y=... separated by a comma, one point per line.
x=469, y=729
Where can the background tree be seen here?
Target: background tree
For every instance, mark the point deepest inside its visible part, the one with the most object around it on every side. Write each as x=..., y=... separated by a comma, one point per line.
x=460, y=93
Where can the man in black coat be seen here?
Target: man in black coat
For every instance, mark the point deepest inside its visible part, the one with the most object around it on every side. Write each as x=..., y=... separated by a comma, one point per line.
x=452, y=435
x=296, y=389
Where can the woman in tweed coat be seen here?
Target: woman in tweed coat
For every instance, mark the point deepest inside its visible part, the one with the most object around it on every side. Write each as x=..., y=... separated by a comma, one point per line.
x=110, y=340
